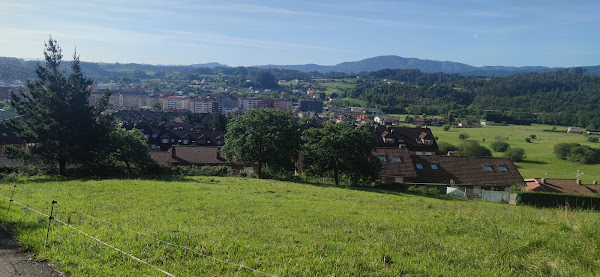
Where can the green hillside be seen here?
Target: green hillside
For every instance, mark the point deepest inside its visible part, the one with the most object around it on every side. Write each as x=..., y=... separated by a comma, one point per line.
x=540, y=161
x=282, y=228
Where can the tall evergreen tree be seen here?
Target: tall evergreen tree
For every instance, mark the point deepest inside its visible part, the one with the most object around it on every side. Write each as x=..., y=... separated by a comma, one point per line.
x=55, y=115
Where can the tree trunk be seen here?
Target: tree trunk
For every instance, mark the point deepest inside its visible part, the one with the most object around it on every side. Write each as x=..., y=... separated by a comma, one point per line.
x=62, y=167
x=260, y=170
x=335, y=175
x=128, y=167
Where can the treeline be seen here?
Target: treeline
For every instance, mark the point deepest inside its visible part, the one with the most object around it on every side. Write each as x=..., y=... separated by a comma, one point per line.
x=562, y=97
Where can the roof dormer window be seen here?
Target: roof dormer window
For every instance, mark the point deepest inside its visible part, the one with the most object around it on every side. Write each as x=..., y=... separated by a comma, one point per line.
x=502, y=168
x=397, y=159
x=419, y=166
x=381, y=158
x=488, y=168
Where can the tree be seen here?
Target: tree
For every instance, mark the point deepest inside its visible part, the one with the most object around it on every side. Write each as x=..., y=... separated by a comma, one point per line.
x=338, y=148
x=129, y=147
x=216, y=121
x=265, y=137
x=463, y=136
x=515, y=154
x=499, y=146
x=264, y=79
x=55, y=115
x=472, y=148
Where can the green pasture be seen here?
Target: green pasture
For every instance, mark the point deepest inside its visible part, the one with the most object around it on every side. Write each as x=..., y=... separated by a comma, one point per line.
x=291, y=229
x=540, y=161
x=336, y=87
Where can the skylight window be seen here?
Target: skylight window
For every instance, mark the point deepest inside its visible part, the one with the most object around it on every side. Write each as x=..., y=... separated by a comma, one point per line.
x=488, y=168
x=419, y=166
x=4, y=134
x=502, y=168
x=397, y=159
x=434, y=166
x=381, y=158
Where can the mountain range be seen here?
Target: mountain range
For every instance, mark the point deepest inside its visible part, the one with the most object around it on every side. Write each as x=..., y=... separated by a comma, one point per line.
x=14, y=68
x=396, y=62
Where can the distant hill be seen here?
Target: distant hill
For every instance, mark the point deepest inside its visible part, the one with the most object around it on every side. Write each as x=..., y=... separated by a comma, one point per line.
x=209, y=65
x=396, y=62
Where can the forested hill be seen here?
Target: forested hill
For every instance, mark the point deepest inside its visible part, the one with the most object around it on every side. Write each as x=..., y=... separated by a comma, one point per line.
x=563, y=97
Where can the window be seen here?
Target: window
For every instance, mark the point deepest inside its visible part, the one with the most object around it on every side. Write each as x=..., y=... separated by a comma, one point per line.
x=428, y=153
x=185, y=141
x=381, y=158
x=172, y=140
x=419, y=141
x=397, y=159
x=154, y=135
x=419, y=153
x=419, y=166
x=389, y=140
x=502, y=168
x=4, y=134
x=165, y=140
x=383, y=180
x=434, y=166
x=488, y=168
x=153, y=146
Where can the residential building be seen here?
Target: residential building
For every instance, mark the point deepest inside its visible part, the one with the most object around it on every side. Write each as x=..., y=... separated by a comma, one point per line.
x=567, y=186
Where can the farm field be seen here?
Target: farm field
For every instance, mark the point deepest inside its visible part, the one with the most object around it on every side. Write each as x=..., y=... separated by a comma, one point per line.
x=284, y=228
x=540, y=159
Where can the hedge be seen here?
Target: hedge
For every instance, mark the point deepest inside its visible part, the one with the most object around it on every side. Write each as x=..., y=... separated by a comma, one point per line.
x=554, y=200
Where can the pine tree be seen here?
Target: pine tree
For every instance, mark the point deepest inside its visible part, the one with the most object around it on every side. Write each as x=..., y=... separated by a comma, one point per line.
x=55, y=116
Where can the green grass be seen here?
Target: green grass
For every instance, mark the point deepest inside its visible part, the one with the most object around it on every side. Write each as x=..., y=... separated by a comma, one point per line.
x=540, y=159
x=292, y=229
x=336, y=87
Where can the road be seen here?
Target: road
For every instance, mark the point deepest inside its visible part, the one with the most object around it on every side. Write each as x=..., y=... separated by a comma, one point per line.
x=14, y=262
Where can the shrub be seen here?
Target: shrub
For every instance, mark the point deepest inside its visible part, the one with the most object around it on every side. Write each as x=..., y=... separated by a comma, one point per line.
x=499, y=146
x=444, y=147
x=592, y=139
x=528, y=140
x=463, y=136
x=472, y=148
x=424, y=190
x=515, y=154
x=574, y=152
x=555, y=200
x=446, y=128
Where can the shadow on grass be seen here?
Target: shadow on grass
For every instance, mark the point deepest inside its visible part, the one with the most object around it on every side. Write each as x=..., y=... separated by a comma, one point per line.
x=58, y=178
x=533, y=162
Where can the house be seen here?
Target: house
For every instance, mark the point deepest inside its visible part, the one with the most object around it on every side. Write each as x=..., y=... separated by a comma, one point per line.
x=387, y=120
x=574, y=130
x=487, y=123
x=593, y=133
x=567, y=186
x=396, y=165
x=469, y=174
x=419, y=121
x=8, y=138
x=197, y=156
x=418, y=141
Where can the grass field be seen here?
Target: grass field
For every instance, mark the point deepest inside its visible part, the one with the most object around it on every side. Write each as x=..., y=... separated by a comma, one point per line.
x=540, y=159
x=293, y=229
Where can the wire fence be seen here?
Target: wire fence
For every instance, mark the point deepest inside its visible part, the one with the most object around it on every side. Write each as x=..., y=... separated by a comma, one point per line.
x=67, y=222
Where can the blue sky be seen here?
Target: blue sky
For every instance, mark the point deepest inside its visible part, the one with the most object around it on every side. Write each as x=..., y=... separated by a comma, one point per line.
x=519, y=33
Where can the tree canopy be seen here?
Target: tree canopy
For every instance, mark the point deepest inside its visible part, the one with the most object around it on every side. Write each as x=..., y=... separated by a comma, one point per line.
x=339, y=148
x=58, y=123
x=264, y=137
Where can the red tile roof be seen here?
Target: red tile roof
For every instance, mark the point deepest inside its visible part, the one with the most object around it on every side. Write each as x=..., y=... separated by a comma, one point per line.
x=466, y=170
x=568, y=186
x=389, y=167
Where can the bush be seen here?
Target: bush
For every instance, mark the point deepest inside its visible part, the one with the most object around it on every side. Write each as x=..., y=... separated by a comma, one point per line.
x=528, y=140
x=574, y=152
x=424, y=190
x=203, y=171
x=444, y=147
x=499, y=146
x=472, y=148
x=592, y=139
x=463, y=136
x=555, y=200
x=446, y=128
x=515, y=154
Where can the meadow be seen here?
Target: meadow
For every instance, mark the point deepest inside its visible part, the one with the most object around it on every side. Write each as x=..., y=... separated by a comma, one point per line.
x=540, y=161
x=291, y=229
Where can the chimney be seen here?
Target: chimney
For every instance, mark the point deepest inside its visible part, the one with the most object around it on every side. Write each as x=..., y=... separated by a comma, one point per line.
x=579, y=181
x=543, y=181
x=450, y=153
x=173, y=152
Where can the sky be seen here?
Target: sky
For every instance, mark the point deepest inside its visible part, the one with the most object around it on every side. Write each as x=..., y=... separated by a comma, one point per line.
x=244, y=33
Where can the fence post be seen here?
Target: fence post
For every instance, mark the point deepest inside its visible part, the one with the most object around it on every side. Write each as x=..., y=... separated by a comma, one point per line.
x=50, y=219
x=10, y=202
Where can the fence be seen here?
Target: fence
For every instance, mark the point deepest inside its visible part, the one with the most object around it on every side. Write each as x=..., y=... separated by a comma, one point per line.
x=52, y=217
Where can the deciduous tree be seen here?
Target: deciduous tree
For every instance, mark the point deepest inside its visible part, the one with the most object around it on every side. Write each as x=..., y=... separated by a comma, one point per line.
x=263, y=137
x=337, y=149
